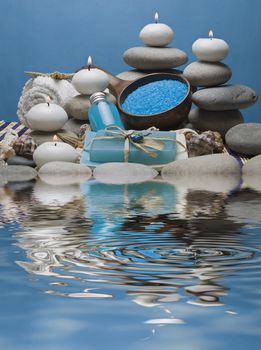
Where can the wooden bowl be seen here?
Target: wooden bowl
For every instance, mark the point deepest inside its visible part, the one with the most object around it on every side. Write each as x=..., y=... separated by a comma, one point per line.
x=166, y=120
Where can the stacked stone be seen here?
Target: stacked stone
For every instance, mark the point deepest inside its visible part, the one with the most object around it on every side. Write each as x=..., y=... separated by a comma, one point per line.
x=155, y=55
x=218, y=105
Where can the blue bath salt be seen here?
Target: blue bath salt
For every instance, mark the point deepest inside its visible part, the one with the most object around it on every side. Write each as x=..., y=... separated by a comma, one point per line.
x=155, y=97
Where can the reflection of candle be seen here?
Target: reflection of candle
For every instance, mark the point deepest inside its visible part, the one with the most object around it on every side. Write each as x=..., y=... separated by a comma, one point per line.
x=46, y=116
x=210, y=49
x=54, y=151
x=55, y=195
x=90, y=80
x=156, y=34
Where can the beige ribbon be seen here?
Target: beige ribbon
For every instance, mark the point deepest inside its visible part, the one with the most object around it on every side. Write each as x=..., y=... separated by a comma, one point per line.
x=147, y=142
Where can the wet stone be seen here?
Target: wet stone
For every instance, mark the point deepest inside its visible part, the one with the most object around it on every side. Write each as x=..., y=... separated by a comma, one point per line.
x=208, y=164
x=17, y=173
x=124, y=173
x=64, y=173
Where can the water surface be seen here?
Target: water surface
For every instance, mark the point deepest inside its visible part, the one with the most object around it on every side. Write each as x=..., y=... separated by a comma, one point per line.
x=143, y=266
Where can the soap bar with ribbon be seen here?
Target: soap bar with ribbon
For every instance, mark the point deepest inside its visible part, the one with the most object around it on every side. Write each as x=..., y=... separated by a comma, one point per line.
x=147, y=147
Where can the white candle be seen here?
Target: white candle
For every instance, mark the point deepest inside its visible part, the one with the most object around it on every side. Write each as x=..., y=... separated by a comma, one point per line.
x=54, y=151
x=210, y=49
x=46, y=116
x=88, y=81
x=156, y=34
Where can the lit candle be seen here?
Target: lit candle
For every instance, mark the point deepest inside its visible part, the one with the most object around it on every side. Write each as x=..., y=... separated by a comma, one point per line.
x=46, y=116
x=210, y=49
x=90, y=80
x=156, y=34
x=54, y=151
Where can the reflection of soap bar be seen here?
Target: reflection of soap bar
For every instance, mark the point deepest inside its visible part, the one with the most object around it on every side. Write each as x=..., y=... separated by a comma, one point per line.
x=112, y=150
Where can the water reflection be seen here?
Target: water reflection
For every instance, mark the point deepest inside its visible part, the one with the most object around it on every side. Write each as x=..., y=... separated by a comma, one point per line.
x=158, y=242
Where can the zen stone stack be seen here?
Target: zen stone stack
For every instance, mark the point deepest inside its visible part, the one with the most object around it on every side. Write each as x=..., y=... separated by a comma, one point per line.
x=218, y=105
x=155, y=55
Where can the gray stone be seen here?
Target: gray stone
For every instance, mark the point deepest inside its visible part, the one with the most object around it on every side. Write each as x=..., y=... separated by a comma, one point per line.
x=64, y=173
x=210, y=164
x=207, y=74
x=123, y=173
x=18, y=160
x=153, y=58
x=245, y=138
x=252, y=181
x=224, y=98
x=17, y=173
x=217, y=183
x=136, y=74
x=77, y=107
x=74, y=125
x=220, y=121
x=253, y=166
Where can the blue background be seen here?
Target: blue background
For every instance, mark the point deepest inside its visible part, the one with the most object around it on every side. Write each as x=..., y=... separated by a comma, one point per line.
x=49, y=35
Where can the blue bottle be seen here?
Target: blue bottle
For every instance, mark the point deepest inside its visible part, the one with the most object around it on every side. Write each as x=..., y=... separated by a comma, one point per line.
x=103, y=113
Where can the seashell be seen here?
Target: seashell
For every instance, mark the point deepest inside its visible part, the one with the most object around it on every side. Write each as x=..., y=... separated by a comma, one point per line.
x=25, y=146
x=83, y=130
x=6, y=145
x=206, y=143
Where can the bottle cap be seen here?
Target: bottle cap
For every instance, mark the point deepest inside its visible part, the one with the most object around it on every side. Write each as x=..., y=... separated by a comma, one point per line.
x=97, y=97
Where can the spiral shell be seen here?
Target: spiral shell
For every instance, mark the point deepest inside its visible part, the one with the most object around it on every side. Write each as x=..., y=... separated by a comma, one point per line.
x=206, y=143
x=25, y=146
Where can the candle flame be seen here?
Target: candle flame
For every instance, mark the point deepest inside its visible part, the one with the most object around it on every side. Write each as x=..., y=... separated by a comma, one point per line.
x=48, y=100
x=211, y=34
x=55, y=138
x=156, y=17
x=89, y=62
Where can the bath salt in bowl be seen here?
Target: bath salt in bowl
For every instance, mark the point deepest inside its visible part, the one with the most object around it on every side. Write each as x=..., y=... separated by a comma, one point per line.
x=155, y=97
x=162, y=100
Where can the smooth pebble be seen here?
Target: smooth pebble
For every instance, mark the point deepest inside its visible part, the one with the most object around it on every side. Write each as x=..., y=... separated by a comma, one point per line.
x=153, y=58
x=207, y=74
x=64, y=173
x=220, y=121
x=209, y=164
x=245, y=138
x=17, y=173
x=123, y=173
x=224, y=98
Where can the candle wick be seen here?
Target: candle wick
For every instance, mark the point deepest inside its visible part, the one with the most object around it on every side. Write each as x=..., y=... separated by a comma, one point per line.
x=55, y=144
x=89, y=67
x=48, y=103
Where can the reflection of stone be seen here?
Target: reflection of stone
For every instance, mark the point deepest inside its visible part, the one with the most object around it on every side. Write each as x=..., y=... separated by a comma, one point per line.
x=245, y=207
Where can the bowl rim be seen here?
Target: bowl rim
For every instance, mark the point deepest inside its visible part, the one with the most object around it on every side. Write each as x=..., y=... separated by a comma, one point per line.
x=178, y=77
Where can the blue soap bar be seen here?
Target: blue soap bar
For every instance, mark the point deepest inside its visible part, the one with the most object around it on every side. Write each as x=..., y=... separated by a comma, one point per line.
x=112, y=150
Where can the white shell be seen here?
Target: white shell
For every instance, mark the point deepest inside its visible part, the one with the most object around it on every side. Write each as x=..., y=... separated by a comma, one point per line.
x=46, y=118
x=54, y=151
x=156, y=34
x=89, y=81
